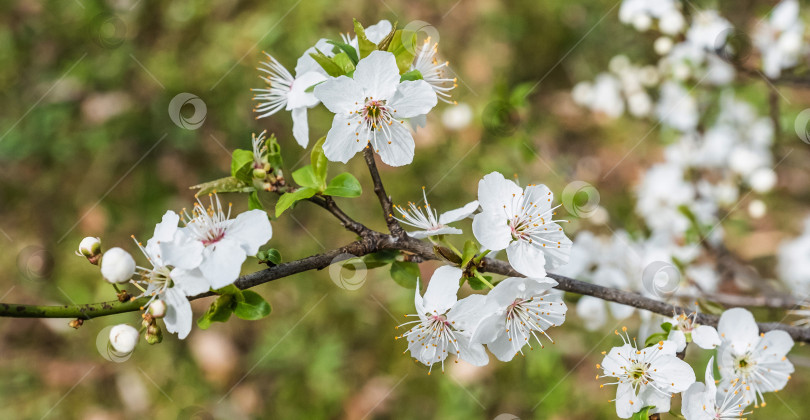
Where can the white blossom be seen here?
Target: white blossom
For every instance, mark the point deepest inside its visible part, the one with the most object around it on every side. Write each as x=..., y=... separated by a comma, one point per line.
x=645, y=377
x=756, y=360
x=370, y=110
x=522, y=222
x=686, y=330
x=429, y=222
x=518, y=309
x=703, y=401
x=445, y=324
x=780, y=38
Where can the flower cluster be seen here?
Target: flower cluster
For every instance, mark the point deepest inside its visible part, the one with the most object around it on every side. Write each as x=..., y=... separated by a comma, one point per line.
x=206, y=253
x=750, y=364
x=372, y=87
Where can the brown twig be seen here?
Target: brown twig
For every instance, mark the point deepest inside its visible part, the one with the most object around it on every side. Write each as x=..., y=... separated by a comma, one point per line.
x=385, y=200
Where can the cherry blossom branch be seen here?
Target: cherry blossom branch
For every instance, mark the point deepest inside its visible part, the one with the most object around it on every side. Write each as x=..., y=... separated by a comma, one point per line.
x=385, y=200
x=373, y=242
x=328, y=203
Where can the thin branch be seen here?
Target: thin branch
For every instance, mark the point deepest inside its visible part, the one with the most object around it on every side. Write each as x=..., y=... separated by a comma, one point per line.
x=328, y=203
x=385, y=200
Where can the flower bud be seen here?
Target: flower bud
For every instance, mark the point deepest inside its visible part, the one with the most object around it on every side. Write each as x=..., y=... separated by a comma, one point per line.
x=153, y=334
x=90, y=248
x=123, y=338
x=259, y=173
x=117, y=266
x=157, y=309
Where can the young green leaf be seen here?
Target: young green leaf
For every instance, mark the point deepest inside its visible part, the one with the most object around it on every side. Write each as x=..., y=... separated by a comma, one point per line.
x=227, y=184
x=269, y=256
x=403, y=49
x=476, y=283
x=644, y=414
x=470, y=249
x=253, y=201
x=348, y=49
x=219, y=311
x=345, y=63
x=405, y=273
x=655, y=338
x=253, y=307
x=344, y=185
x=366, y=46
x=411, y=75
x=288, y=199
x=330, y=67
x=242, y=165
x=319, y=163
x=305, y=176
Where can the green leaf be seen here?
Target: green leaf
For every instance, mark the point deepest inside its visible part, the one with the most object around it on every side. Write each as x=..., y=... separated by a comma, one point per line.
x=242, y=165
x=271, y=256
x=366, y=46
x=377, y=259
x=411, y=75
x=319, y=163
x=344, y=185
x=477, y=284
x=344, y=62
x=330, y=67
x=219, y=311
x=403, y=49
x=227, y=184
x=667, y=327
x=253, y=201
x=305, y=176
x=644, y=414
x=468, y=253
x=348, y=49
x=405, y=273
x=655, y=338
x=288, y=199
x=274, y=153
x=253, y=307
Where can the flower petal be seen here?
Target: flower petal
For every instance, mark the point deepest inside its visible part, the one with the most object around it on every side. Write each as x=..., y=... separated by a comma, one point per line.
x=459, y=213
x=300, y=126
x=677, y=337
x=378, y=75
x=491, y=231
x=413, y=98
x=396, y=150
x=342, y=141
x=467, y=312
x=191, y=282
x=471, y=353
x=526, y=258
x=300, y=96
x=164, y=231
x=182, y=251
x=222, y=263
x=340, y=95
x=178, y=312
x=441, y=291
x=705, y=337
x=377, y=32
x=738, y=327
x=496, y=194
x=250, y=230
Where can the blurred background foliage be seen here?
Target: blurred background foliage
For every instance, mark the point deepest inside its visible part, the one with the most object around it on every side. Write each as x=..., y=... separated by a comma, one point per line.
x=87, y=148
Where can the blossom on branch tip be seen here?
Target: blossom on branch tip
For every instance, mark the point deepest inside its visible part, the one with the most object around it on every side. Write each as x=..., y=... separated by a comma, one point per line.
x=645, y=377
x=370, y=110
x=445, y=324
x=290, y=93
x=429, y=222
x=703, y=401
x=686, y=330
x=758, y=360
x=214, y=243
x=522, y=222
x=518, y=309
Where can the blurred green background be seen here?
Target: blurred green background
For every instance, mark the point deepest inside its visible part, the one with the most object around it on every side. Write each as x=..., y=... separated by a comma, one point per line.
x=87, y=148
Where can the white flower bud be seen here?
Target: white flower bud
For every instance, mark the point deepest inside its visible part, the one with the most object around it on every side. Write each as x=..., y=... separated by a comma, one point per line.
x=157, y=309
x=642, y=22
x=123, y=338
x=663, y=45
x=757, y=209
x=90, y=248
x=117, y=266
